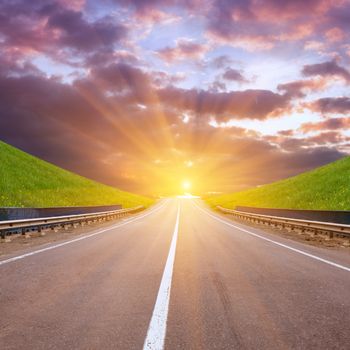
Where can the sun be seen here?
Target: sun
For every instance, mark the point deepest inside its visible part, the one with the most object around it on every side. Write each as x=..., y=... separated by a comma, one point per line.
x=186, y=185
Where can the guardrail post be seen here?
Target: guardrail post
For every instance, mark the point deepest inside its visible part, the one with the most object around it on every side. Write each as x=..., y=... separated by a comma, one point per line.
x=40, y=231
x=6, y=238
x=2, y=234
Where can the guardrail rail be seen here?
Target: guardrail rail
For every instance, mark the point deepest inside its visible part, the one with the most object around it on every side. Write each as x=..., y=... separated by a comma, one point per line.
x=298, y=225
x=41, y=225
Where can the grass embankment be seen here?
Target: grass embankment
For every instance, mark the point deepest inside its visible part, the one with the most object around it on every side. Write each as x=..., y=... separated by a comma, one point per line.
x=26, y=181
x=326, y=188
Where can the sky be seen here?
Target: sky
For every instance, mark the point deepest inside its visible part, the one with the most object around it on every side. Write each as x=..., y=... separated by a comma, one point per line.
x=152, y=96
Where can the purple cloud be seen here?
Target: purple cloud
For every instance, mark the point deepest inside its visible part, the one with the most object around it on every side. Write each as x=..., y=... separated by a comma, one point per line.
x=327, y=69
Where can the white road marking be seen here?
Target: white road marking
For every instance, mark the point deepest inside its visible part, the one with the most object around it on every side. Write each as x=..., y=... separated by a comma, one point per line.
x=339, y=266
x=19, y=257
x=157, y=328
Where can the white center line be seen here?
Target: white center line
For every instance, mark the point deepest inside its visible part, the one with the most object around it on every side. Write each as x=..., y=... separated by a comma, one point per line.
x=157, y=328
x=278, y=243
x=19, y=257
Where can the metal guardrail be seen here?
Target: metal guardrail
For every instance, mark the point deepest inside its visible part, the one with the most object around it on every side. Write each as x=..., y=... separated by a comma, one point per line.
x=26, y=226
x=301, y=226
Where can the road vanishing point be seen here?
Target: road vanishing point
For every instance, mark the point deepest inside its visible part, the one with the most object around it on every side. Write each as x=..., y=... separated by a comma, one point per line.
x=176, y=276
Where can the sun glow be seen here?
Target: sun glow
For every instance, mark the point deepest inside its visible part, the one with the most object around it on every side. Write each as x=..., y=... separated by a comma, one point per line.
x=188, y=195
x=186, y=185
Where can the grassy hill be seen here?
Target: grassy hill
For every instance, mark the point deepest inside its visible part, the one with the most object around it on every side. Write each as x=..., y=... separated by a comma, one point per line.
x=327, y=188
x=26, y=181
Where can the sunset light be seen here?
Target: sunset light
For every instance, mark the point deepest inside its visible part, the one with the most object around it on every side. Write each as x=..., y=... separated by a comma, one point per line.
x=175, y=174
x=186, y=185
x=144, y=94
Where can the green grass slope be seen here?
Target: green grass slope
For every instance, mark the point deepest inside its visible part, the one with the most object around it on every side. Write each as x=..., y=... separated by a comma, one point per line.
x=326, y=188
x=26, y=181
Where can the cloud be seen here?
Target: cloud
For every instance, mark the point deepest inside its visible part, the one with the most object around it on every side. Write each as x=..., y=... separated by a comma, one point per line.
x=76, y=5
x=328, y=124
x=155, y=16
x=335, y=105
x=318, y=46
x=327, y=69
x=252, y=24
x=234, y=75
x=59, y=31
x=335, y=35
x=82, y=35
x=289, y=162
x=331, y=137
x=185, y=49
x=120, y=76
x=295, y=162
x=149, y=5
x=22, y=27
x=217, y=86
x=222, y=61
x=299, y=88
x=338, y=16
x=248, y=104
x=104, y=57
x=288, y=132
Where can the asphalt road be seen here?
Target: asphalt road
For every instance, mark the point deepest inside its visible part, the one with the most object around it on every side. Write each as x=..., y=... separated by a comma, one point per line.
x=176, y=276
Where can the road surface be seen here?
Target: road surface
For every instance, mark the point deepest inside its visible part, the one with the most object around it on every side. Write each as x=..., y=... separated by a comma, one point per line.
x=176, y=276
